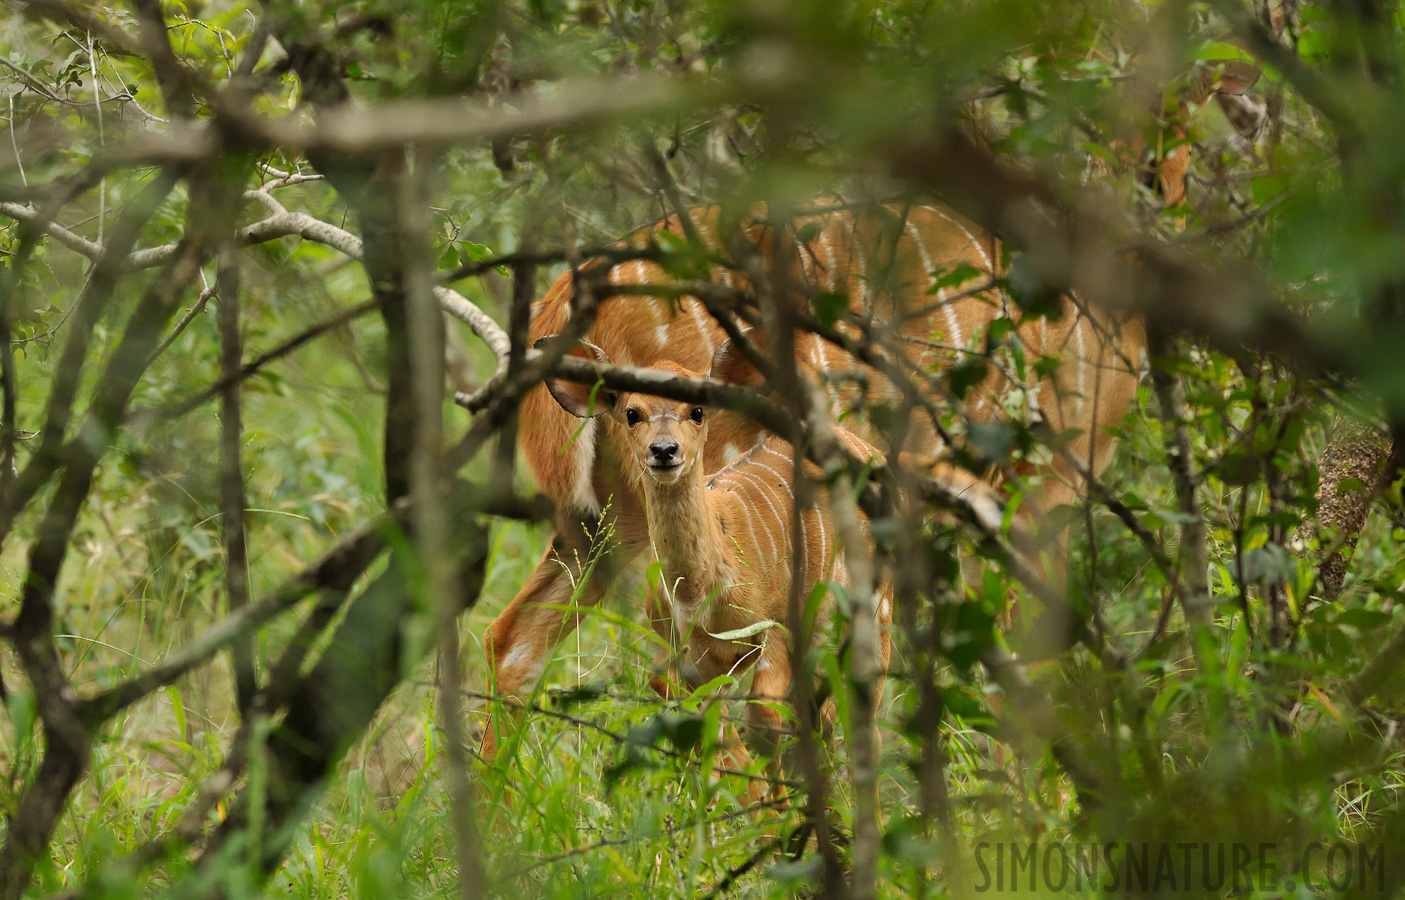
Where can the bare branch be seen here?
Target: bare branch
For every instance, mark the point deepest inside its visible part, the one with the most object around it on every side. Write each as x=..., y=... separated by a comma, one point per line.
x=177, y=408
x=1195, y=594
x=236, y=557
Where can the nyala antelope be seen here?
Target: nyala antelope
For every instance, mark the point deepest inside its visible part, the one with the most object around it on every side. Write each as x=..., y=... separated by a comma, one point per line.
x=886, y=262
x=587, y=468
x=723, y=541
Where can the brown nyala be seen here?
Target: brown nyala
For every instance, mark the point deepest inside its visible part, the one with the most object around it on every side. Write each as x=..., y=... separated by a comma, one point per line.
x=723, y=539
x=588, y=468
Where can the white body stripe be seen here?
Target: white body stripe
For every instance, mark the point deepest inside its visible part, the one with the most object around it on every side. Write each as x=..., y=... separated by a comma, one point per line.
x=696, y=308
x=857, y=243
x=830, y=270
x=955, y=338
x=985, y=257
x=760, y=521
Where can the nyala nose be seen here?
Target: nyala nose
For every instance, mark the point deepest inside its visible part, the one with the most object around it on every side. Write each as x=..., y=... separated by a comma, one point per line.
x=663, y=450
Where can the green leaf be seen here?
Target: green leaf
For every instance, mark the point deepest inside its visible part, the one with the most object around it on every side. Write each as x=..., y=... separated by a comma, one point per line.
x=178, y=706
x=716, y=685
x=807, y=869
x=1363, y=619
x=1269, y=563
x=1219, y=50
x=581, y=693
x=683, y=731
x=830, y=307
x=992, y=440
x=24, y=714
x=954, y=278
x=964, y=376
x=997, y=332
x=1350, y=486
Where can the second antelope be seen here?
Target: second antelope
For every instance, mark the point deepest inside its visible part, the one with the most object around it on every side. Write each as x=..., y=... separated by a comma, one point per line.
x=723, y=540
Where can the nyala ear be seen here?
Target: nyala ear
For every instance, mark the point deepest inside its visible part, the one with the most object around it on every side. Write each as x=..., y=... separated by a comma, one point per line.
x=581, y=400
x=729, y=364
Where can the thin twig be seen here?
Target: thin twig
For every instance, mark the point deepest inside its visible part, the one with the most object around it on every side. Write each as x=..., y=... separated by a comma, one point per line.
x=177, y=408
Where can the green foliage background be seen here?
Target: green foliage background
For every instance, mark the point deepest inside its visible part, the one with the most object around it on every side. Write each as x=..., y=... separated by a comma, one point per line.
x=1259, y=744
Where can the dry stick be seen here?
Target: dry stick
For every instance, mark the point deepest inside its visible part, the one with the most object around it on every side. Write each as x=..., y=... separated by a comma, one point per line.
x=1195, y=596
x=430, y=520
x=675, y=200
x=195, y=309
x=524, y=276
x=281, y=223
x=177, y=408
x=156, y=46
x=575, y=104
x=236, y=569
x=864, y=659
x=9, y=382
x=791, y=385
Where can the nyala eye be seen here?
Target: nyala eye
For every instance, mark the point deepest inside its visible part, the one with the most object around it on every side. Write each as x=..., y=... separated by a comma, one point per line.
x=697, y=414
x=631, y=417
